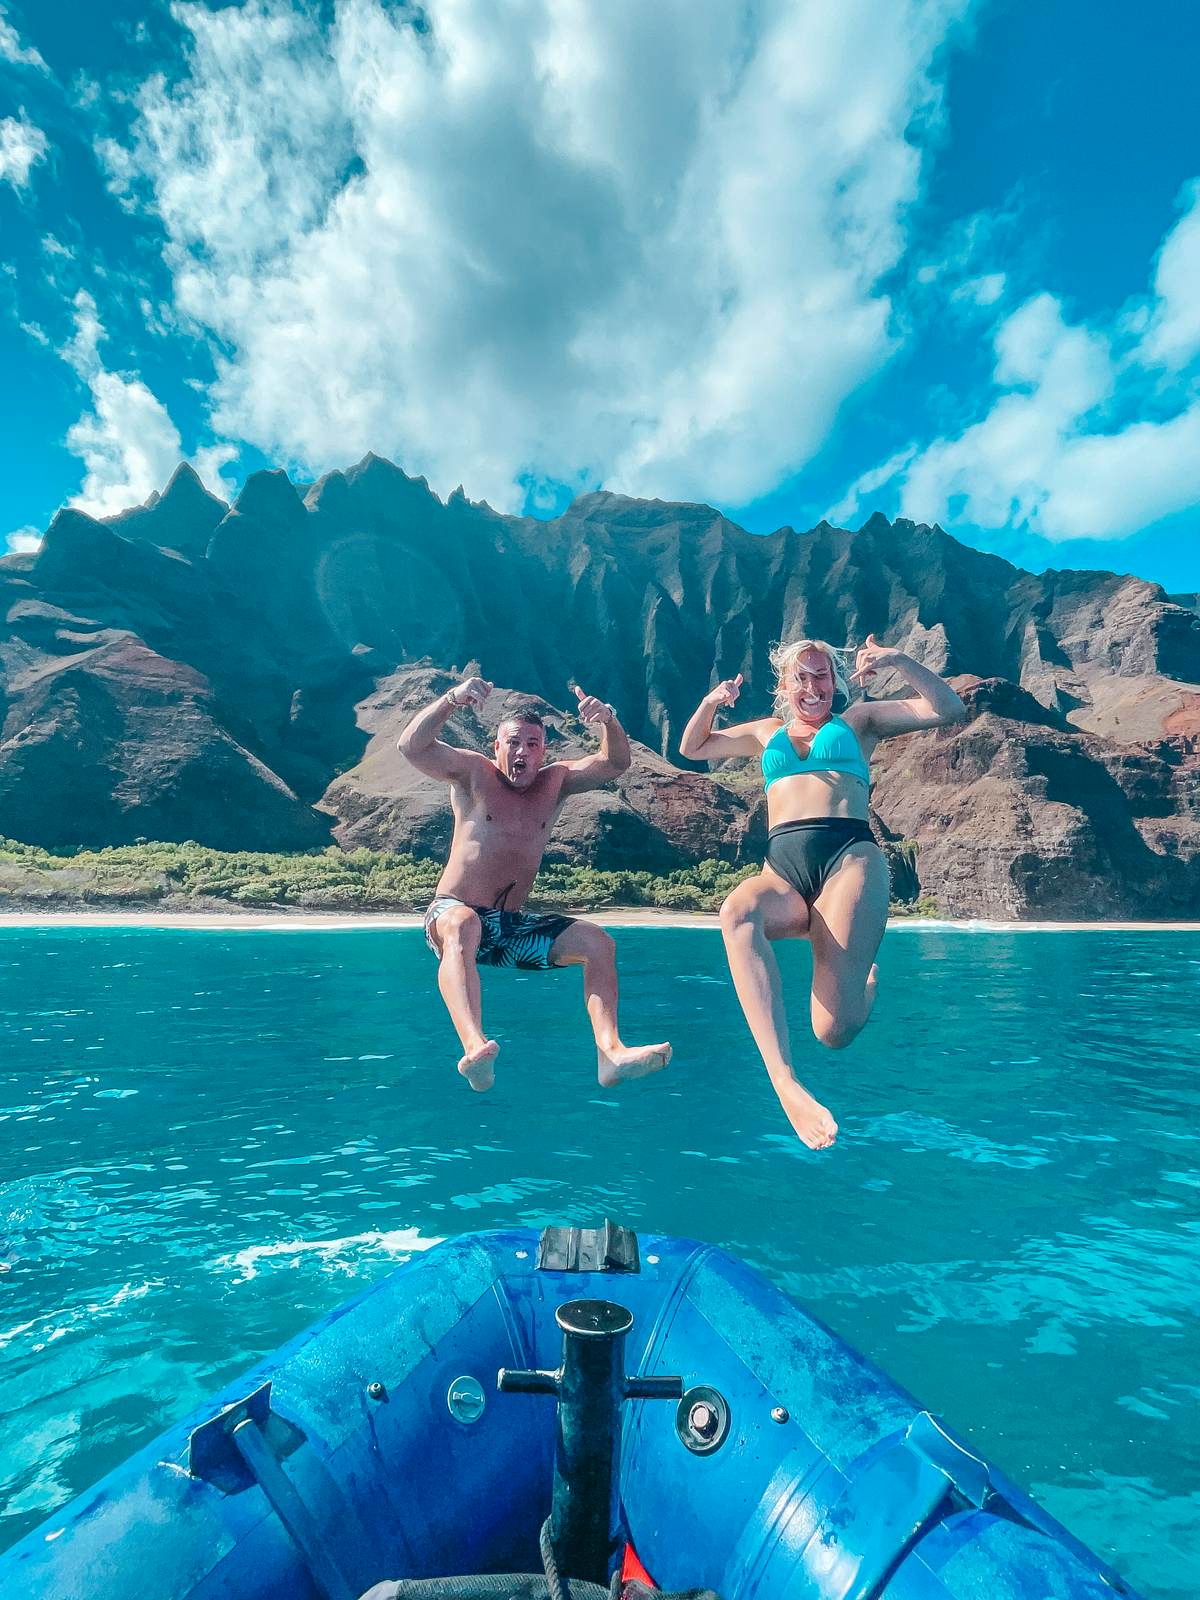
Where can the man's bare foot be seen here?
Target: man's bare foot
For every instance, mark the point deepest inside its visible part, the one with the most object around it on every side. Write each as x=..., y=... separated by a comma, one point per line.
x=807, y=1116
x=476, y=1065
x=634, y=1061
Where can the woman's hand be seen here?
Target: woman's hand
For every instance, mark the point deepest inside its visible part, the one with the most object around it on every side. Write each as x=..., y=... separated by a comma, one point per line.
x=725, y=693
x=871, y=657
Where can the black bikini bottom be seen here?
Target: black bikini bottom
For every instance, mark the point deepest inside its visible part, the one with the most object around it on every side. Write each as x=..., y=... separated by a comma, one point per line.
x=805, y=853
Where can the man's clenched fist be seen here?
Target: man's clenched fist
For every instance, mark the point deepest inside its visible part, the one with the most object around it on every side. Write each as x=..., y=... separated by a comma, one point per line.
x=471, y=692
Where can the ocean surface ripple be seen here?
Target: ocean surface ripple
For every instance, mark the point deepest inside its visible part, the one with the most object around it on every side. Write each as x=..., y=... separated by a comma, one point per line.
x=209, y=1138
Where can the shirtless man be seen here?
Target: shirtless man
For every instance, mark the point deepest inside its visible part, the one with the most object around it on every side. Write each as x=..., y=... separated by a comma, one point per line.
x=504, y=810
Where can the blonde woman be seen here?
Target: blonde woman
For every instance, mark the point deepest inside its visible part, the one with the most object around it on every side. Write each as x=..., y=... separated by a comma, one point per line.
x=825, y=878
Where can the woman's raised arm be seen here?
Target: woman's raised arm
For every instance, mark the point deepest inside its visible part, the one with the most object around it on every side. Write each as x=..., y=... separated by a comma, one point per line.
x=702, y=742
x=934, y=705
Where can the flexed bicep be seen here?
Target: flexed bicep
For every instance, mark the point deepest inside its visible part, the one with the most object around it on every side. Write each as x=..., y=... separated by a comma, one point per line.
x=702, y=742
x=723, y=744
x=444, y=761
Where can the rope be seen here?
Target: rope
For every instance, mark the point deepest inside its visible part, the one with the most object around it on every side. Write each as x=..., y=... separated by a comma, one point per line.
x=553, y=1581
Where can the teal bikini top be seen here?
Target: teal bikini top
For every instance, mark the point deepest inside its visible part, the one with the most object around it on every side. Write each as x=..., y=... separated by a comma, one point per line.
x=834, y=748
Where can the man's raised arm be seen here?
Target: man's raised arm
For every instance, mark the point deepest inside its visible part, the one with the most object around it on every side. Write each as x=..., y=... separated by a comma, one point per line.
x=612, y=758
x=420, y=744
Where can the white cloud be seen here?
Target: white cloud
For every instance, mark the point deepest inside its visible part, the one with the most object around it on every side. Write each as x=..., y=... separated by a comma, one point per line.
x=1090, y=432
x=82, y=352
x=640, y=242
x=24, y=539
x=22, y=146
x=13, y=51
x=968, y=246
x=127, y=442
x=864, y=487
x=1109, y=485
x=1173, y=335
x=982, y=291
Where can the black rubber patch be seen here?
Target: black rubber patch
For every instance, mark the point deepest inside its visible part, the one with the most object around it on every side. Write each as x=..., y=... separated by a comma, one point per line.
x=609, y=1248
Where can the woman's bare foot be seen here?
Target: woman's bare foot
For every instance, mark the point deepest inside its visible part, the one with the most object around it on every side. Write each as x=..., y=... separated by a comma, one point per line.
x=634, y=1061
x=476, y=1065
x=807, y=1116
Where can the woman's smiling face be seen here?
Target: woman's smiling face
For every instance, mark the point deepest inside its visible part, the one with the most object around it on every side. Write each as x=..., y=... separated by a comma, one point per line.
x=811, y=688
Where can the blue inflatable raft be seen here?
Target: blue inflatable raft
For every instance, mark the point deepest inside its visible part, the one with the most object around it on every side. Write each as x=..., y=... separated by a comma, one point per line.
x=656, y=1391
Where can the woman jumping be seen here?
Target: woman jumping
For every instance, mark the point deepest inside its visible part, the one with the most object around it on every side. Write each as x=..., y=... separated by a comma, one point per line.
x=825, y=878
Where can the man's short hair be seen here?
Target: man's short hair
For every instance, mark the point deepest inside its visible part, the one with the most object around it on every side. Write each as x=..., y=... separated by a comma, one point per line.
x=523, y=714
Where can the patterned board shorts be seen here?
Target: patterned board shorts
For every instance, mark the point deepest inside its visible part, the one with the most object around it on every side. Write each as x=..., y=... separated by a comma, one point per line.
x=508, y=938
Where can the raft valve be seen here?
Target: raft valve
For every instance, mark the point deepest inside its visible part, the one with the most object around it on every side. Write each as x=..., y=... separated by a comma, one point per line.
x=702, y=1419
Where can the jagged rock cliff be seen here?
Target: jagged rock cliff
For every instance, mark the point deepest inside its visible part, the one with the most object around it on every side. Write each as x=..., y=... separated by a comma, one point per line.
x=238, y=675
x=1015, y=814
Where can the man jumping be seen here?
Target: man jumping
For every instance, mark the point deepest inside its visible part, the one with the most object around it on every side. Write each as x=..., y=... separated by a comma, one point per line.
x=504, y=810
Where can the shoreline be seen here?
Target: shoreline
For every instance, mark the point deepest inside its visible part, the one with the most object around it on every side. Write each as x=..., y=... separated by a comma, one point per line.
x=298, y=920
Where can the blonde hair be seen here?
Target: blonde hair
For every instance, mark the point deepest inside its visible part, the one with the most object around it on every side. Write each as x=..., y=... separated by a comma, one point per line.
x=784, y=658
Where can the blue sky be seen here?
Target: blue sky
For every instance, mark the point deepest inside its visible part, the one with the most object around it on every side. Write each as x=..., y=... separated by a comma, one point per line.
x=931, y=257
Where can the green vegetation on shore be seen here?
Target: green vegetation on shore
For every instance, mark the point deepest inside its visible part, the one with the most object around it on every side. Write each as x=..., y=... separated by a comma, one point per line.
x=187, y=875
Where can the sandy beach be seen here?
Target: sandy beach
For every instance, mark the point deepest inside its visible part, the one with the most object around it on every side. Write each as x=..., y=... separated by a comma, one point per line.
x=299, y=920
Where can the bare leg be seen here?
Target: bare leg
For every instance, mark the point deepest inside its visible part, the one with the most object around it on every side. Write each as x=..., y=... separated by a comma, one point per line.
x=759, y=910
x=457, y=933
x=584, y=944
x=847, y=923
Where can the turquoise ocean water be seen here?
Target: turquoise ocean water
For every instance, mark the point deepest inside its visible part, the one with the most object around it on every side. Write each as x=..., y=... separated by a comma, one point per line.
x=209, y=1138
